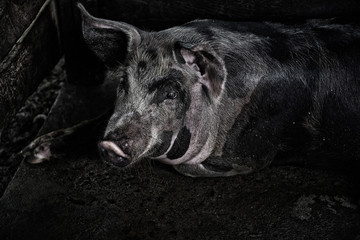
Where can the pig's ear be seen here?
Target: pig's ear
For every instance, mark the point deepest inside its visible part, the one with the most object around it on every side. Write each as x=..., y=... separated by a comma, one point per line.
x=206, y=63
x=111, y=41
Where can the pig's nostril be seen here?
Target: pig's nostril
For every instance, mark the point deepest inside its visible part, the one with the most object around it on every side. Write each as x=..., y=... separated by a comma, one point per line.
x=125, y=147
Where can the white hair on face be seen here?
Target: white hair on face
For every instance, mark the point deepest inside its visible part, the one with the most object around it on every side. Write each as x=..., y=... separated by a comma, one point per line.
x=153, y=140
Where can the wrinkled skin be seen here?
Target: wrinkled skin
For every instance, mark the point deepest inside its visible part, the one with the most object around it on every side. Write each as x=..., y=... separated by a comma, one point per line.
x=214, y=98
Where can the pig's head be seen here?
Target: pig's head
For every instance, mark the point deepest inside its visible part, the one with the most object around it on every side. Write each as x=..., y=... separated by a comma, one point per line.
x=168, y=90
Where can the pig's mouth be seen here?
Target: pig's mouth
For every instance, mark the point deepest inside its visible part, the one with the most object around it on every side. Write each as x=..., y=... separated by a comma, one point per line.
x=113, y=154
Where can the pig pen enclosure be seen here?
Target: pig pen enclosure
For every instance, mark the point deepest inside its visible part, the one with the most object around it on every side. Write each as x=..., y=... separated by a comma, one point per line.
x=49, y=80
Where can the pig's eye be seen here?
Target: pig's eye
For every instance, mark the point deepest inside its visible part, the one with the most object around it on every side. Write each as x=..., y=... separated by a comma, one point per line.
x=166, y=91
x=172, y=94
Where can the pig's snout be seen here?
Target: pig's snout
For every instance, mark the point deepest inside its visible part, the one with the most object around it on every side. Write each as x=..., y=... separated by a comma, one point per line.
x=115, y=152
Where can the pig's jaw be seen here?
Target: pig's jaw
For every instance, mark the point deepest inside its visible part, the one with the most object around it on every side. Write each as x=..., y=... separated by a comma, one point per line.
x=163, y=158
x=195, y=153
x=197, y=146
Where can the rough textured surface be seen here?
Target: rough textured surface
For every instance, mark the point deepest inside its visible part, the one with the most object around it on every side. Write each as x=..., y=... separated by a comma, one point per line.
x=83, y=198
x=29, y=61
x=26, y=123
x=15, y=17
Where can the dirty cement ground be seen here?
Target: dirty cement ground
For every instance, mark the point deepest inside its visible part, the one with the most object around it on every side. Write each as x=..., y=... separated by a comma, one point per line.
x=80, y=197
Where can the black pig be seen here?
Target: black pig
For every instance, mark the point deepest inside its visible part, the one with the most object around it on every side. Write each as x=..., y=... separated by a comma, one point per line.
x=216, y=98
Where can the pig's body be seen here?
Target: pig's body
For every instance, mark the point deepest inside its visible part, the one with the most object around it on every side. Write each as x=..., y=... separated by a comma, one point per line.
x=287, y=89
x=216, y=98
